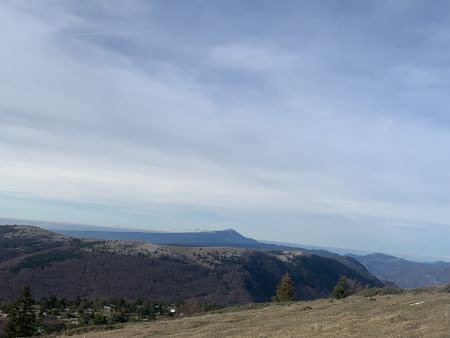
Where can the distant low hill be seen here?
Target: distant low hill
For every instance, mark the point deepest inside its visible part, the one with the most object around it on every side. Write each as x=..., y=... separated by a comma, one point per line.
x=54, y=264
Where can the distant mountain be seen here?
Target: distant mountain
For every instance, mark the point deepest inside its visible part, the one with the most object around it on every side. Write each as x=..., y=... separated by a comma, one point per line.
x=404, y=273
x=53, y=264
x=205, y=238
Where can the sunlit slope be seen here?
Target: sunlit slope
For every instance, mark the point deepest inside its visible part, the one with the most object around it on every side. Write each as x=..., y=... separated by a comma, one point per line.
x=423, y=315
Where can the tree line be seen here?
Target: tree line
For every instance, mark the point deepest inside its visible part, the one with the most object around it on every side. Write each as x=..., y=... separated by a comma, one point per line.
x=29, y=317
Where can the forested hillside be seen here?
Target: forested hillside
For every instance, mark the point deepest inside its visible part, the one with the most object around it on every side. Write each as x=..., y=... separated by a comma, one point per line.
x=66, y=267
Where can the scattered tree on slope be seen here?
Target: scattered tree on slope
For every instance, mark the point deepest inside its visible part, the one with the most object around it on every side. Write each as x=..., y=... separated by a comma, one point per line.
x=285, y=290
x=341, y=290
x=23, y=321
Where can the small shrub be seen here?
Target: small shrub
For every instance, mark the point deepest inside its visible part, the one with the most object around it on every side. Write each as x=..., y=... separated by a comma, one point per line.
x=341, y=290
x=425, y=289
x=446, y=288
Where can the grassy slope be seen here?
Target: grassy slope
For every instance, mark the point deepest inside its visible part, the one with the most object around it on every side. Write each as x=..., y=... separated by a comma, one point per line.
x=388, y=316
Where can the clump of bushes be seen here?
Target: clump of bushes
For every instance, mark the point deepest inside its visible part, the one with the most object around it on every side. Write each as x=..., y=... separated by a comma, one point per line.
x=425, y=289
x=446, y=288
x=244, y=307
x=371, y=292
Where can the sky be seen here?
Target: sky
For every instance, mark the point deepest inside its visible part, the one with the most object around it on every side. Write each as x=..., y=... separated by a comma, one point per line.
x=318, y=122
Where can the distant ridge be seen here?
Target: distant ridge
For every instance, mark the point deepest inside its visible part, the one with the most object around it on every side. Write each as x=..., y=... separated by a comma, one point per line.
x=207, y=238
x=405, y=273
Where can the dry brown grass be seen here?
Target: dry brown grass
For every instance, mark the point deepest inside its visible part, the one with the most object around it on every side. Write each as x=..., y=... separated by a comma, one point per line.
x=387, y=316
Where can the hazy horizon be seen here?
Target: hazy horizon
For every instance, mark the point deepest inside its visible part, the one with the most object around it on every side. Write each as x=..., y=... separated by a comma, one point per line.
x=302, y=121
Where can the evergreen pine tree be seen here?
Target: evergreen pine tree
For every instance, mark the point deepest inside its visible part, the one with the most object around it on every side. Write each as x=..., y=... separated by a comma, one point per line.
x=341, y=290
x=285, y=290
x=23, y=321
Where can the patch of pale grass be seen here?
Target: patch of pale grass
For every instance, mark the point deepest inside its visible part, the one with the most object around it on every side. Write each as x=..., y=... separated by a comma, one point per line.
x=386, y=316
